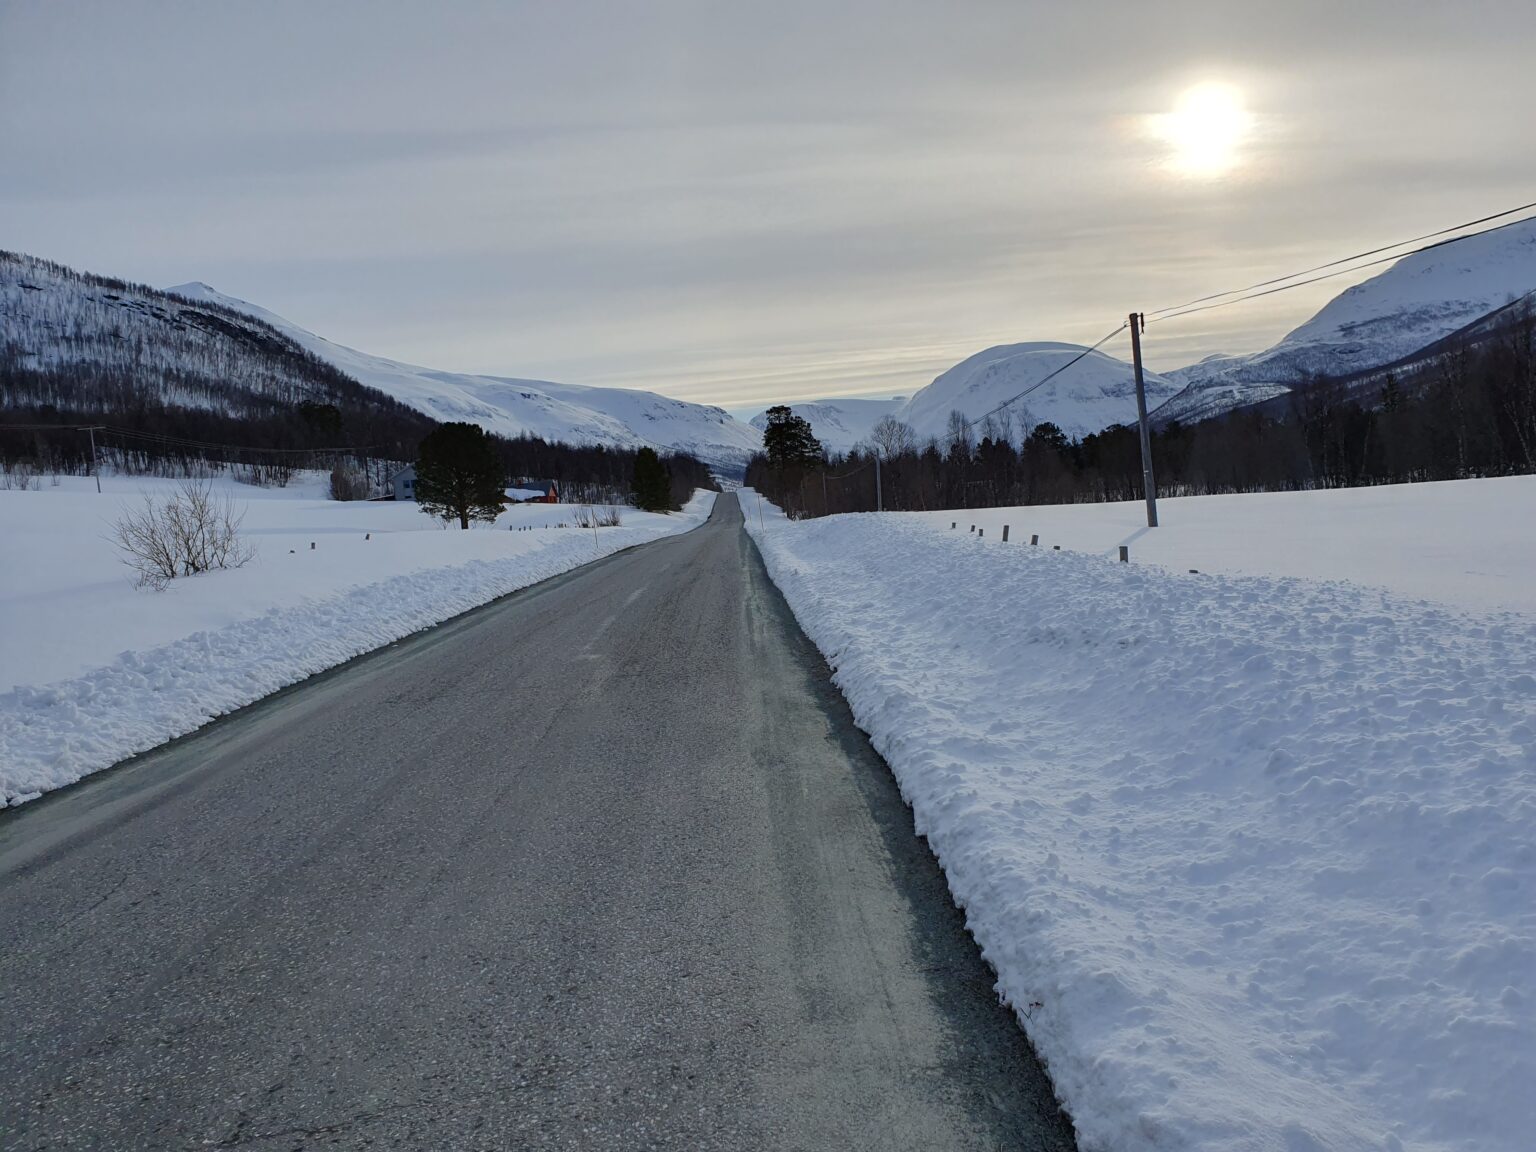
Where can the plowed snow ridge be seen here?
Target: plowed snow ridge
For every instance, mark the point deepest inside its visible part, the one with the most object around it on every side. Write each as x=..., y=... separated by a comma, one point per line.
x=1254, y=858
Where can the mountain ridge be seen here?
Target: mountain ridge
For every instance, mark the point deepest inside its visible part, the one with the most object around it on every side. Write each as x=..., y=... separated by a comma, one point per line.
x=1420, y=299
x=513, y=406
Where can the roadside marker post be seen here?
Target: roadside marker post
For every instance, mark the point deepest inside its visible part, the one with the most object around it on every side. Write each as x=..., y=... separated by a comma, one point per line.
x=1005, y=533
x=1125, y=554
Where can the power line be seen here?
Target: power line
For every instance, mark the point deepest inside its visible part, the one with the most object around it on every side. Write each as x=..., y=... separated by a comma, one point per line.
x=1244, y=294
x=1048, y=377
x=178, y=441
x=851, y=471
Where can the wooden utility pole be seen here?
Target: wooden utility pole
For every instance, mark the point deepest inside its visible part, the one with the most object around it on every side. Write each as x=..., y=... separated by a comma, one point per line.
x=1149, y=483
x=95, y=466
x=879, y=496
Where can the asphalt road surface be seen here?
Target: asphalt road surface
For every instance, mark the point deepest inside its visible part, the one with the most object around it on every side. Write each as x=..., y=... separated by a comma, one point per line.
x=602, y=865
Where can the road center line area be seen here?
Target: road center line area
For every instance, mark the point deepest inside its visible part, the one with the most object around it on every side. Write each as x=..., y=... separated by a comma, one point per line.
x=605, y=864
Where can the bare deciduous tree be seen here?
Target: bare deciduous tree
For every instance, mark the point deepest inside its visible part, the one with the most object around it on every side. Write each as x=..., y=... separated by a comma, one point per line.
x=892, y=437
x=192, y=531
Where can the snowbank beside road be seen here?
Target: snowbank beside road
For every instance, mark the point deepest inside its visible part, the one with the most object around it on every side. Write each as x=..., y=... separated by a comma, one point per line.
x=1254, y=858
x=95, y=670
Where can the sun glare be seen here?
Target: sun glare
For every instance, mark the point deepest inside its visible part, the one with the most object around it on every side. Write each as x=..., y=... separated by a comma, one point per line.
x=1205, y=131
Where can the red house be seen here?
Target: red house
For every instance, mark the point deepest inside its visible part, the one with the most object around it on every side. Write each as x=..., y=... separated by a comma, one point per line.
x=534, y=492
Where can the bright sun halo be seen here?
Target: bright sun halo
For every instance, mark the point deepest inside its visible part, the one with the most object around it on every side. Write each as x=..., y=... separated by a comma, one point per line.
x=1205, y=130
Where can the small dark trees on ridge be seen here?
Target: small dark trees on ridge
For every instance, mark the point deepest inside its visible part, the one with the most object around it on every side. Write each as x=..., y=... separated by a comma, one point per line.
x=459, y=474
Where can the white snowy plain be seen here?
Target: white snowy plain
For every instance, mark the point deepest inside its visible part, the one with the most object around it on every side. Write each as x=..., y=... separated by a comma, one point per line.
x=1253, y=856
x=94, y=670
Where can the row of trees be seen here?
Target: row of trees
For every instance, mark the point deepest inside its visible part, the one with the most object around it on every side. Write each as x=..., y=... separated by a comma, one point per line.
x=462, y=474
x=1470, y=411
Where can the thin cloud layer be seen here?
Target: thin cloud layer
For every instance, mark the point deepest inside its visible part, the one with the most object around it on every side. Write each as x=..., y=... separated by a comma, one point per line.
x=744, y=206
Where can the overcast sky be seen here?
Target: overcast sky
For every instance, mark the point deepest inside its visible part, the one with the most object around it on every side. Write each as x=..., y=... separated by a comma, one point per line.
x=738, y=203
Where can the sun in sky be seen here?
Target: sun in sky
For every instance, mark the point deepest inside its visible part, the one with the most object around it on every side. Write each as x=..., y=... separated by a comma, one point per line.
x=1205, y=131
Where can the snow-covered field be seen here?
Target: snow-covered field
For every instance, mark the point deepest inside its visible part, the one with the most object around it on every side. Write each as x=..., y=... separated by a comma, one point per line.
x=1466, y=542
x=1253, y=855
x=93, y=670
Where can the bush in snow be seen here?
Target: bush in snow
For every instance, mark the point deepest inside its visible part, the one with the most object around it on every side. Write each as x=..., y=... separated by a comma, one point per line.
x=589, y=517
x=348, y=484
x=193, y=531
x=19, y=476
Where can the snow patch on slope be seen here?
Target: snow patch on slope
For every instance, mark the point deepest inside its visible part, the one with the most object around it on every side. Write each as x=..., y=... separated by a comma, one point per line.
x=1088, y=397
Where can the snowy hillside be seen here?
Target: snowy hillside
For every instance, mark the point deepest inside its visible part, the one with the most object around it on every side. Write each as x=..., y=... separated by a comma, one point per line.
x=842, y=422
x=1088, y=397
x=76, y=347
x=512, y=407
x=1415, y=302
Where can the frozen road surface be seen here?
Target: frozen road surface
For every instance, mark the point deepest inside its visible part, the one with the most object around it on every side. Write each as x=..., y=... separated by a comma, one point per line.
x=603, y=865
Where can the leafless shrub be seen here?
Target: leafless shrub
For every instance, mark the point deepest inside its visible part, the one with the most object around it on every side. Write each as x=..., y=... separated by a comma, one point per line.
x=348, y=483
x=189, y=532
x=589, y=517
x=19, y=476
x=265, y=475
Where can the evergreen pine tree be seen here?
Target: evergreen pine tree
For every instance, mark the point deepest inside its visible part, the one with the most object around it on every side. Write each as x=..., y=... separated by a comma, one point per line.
x=788, y=439
x=459, y=474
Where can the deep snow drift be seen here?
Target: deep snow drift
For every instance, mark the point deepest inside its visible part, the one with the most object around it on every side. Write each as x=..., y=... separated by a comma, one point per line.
x=93, y=670
x=1254, y=857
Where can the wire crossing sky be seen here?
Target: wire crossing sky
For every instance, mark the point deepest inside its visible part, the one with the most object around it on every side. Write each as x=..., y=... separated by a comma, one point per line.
x=744, y=204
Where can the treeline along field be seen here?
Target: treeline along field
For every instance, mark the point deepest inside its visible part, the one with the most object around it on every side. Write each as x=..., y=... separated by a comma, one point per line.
x=1468, y=411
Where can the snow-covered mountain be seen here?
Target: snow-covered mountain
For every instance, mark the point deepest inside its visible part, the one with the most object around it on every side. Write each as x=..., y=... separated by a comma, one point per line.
x=1418, y=300
x=80, y=348
x=841, y=422
x=569, y=413
x=1088, y=397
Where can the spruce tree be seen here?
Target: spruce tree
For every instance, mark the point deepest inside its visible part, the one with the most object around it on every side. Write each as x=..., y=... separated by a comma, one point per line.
x=459, y=474
x=653, y=482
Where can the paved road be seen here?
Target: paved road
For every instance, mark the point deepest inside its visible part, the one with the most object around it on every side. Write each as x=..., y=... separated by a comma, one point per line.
x=603, y=865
